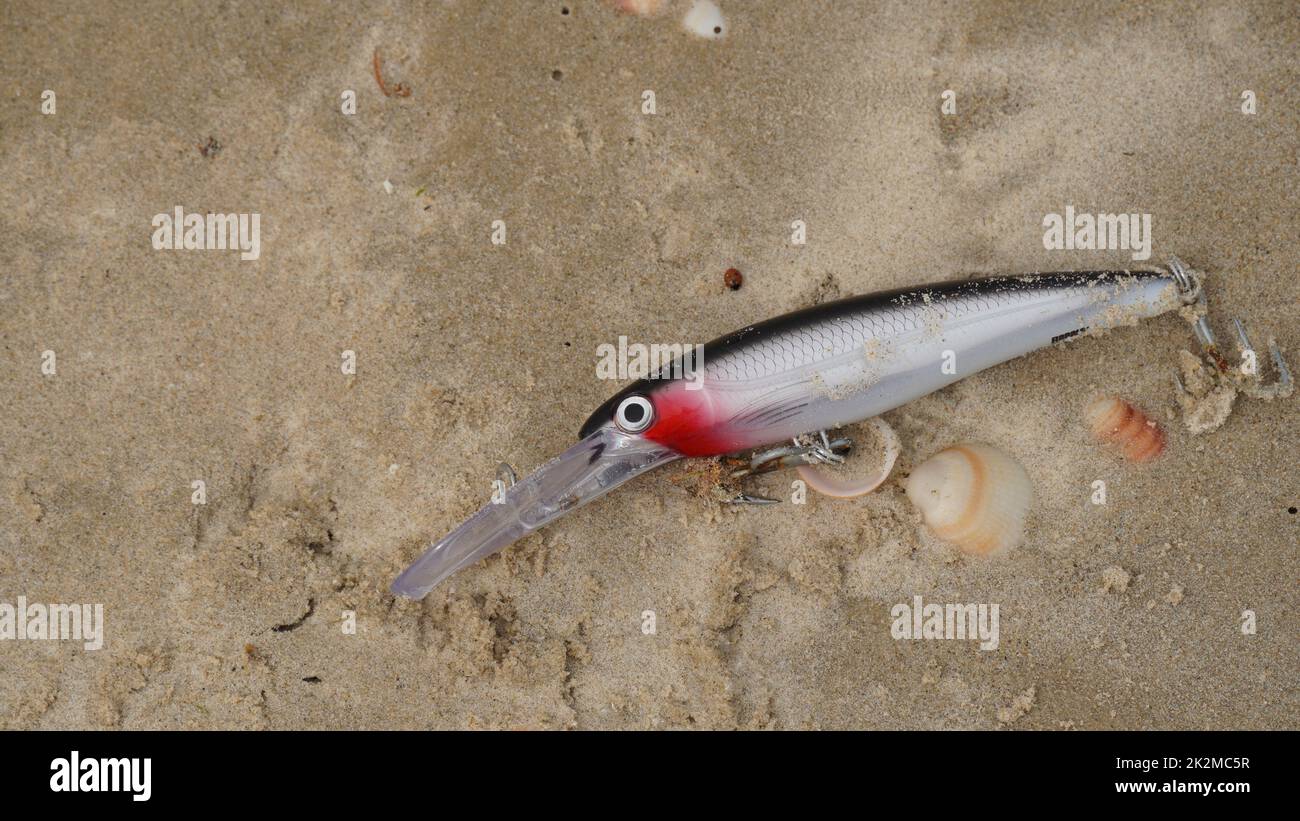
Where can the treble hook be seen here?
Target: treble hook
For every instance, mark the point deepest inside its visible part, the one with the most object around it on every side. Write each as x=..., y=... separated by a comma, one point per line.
x=1247, y=378
x=823, y=452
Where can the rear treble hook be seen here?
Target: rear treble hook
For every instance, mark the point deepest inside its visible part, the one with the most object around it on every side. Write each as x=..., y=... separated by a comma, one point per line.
x=821, y=451
x=1245, y=378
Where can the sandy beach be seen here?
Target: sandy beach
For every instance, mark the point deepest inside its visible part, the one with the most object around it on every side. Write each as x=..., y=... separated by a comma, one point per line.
x=458, y=202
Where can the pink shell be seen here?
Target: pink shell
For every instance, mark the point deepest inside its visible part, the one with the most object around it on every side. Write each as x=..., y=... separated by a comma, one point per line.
x=829, y=485
x=1118, y=422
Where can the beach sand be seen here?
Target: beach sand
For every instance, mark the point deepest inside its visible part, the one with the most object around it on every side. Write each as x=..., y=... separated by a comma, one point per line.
x=177, y=366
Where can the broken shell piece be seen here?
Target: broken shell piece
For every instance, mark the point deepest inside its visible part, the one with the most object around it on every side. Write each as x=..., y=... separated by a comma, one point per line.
x=641, y=8
x=1118, y=422
x=705, y=19
x=973, y=496
x=829, y=485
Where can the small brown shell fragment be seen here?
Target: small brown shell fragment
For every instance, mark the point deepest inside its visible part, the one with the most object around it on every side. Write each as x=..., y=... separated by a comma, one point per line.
x=1118, y=422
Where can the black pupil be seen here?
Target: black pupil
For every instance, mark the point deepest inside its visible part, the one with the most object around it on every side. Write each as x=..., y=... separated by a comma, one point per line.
x=633, y=412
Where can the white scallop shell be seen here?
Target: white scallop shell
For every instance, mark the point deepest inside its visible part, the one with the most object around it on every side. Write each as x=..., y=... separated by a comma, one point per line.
x=973, y=496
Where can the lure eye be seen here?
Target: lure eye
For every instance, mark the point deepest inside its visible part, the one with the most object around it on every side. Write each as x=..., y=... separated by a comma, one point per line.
x=634, y=414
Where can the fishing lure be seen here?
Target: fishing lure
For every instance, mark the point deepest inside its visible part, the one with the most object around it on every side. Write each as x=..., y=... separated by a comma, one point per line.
x=807, y=372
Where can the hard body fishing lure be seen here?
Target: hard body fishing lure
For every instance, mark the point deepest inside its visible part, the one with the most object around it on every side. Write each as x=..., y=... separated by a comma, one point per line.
x=807, y=372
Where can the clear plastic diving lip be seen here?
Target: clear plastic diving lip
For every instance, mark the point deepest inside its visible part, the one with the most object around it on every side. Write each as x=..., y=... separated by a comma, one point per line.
x=594, y=466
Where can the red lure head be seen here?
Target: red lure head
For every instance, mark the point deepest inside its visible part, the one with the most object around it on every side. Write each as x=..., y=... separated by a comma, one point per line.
x=680, y=414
